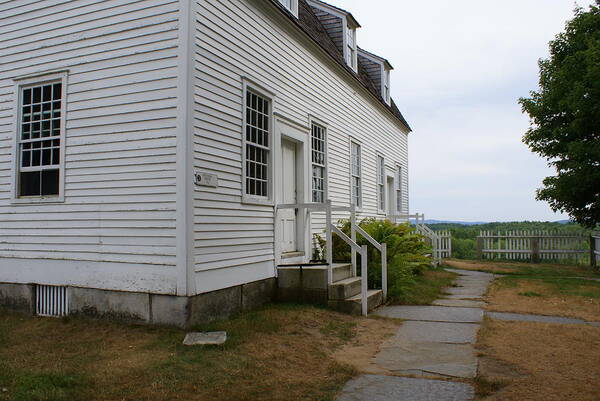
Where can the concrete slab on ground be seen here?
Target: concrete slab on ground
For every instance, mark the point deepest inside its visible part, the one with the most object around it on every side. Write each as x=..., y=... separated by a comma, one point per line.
x=463, y=303
x=465, y=291
x=428, y=359
x=459, y=296
x=390, y=388
x=470, y=273
x=432, y=313
x=521, y=317
x=211, y=338
x=438, y=332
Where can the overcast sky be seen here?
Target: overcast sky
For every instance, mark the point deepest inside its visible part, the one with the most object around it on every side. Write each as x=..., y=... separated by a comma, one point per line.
x=460, y=66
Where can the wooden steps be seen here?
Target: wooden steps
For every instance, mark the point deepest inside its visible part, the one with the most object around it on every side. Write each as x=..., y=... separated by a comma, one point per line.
x=308, y=283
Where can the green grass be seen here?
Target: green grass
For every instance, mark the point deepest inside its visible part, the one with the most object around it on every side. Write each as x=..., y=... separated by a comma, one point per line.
x=555, y=285
x=423, y=289
x=42, y=386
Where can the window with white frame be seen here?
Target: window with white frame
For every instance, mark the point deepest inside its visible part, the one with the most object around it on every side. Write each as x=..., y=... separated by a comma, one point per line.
x=386, y=86
x=39, y=139
x=355, y=172
x=291, y=5
x=351, y=47
x=319, y=163
x=399, y=190
x=381, y=184
x=257, y=145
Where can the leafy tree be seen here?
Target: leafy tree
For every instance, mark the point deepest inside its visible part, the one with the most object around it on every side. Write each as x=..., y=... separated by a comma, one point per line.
x=565, y=118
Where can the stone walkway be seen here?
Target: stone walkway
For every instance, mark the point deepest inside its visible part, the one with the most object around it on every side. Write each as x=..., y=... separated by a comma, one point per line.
x=521, y=317
x=435, y=344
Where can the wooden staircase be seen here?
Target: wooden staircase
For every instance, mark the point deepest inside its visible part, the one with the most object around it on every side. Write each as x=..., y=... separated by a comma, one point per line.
x=344, y=294
x=308, y=283
x=336, y=285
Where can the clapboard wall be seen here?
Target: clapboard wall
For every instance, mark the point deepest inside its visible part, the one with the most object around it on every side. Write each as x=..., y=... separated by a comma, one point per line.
x=116, y=227
x=250, y=38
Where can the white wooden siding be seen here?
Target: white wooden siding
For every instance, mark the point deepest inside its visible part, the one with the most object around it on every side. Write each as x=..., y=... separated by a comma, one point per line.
x=118, y=218
x=248, y=39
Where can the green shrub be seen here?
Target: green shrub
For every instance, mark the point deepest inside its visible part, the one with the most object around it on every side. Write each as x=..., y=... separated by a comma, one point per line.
x=463, y=248
x=406, y=252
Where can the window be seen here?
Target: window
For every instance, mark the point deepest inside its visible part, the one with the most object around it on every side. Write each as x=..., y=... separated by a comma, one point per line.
x=257, y=146
x=355, y=172
x=319, y=163
x=381, y=184
x=351, y=47
x=399, y=190
x=40, y=139
x=291, y=5
x=386, y=86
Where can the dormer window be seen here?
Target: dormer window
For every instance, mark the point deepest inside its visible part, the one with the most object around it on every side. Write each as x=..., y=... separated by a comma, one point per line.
x=386, y=86
x=291, y=5
x=351, y=47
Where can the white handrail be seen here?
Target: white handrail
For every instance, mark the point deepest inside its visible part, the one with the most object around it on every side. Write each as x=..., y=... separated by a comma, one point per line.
x=364, y=288
x=364, y=274
x=347, y=239
x=383, y=249
x=328, y=208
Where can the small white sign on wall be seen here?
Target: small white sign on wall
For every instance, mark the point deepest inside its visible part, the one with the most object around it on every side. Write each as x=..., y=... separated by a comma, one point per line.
x=206, y=180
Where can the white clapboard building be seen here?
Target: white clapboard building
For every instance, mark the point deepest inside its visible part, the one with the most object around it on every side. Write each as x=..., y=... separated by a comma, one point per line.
x=145, y=147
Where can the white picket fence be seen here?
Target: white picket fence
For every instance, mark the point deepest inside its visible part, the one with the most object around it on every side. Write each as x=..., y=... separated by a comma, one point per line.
x=440, y=241
x=445, y=244
x=534, y=246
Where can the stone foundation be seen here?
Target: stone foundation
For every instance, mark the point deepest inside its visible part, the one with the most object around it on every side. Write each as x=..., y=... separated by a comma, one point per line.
x=150, y=308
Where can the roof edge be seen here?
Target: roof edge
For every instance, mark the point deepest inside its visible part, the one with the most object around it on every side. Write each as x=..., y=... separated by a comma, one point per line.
x=375, y=57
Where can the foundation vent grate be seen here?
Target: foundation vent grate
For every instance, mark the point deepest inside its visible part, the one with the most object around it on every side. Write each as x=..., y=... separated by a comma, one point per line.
x=51, y=301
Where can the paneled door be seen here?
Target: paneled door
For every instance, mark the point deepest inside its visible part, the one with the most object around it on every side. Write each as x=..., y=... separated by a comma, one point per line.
x=288, y=194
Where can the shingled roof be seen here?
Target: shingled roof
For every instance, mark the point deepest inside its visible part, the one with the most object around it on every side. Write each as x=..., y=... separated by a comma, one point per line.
x=310, y=24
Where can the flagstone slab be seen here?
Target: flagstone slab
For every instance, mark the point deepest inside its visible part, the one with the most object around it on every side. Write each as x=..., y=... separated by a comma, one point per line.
x=428, y=359
x=463, y=296
x=521, y=317
x=465, y=291
x=432, y=313
x=463, y=303
x=390, y=388
x=437, y=332
x=208, y=338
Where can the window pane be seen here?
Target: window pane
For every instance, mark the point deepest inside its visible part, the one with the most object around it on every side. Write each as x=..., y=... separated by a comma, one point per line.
x=27, y=96
x=30, y=183
x=50, y=182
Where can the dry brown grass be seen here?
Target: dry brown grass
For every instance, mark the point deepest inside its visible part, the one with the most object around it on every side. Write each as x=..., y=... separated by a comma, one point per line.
x=537, y=297
x=479, y=266
x=280, y=353
x=521, y=268
x=539, y=361
x=361, y=350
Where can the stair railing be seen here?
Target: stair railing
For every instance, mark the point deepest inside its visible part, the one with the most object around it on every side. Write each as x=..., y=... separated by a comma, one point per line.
x=364, y=273
x=330, y=229
x=381, y=247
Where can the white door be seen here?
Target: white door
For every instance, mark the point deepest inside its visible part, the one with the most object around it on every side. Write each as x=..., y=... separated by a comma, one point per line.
x=287, y=217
